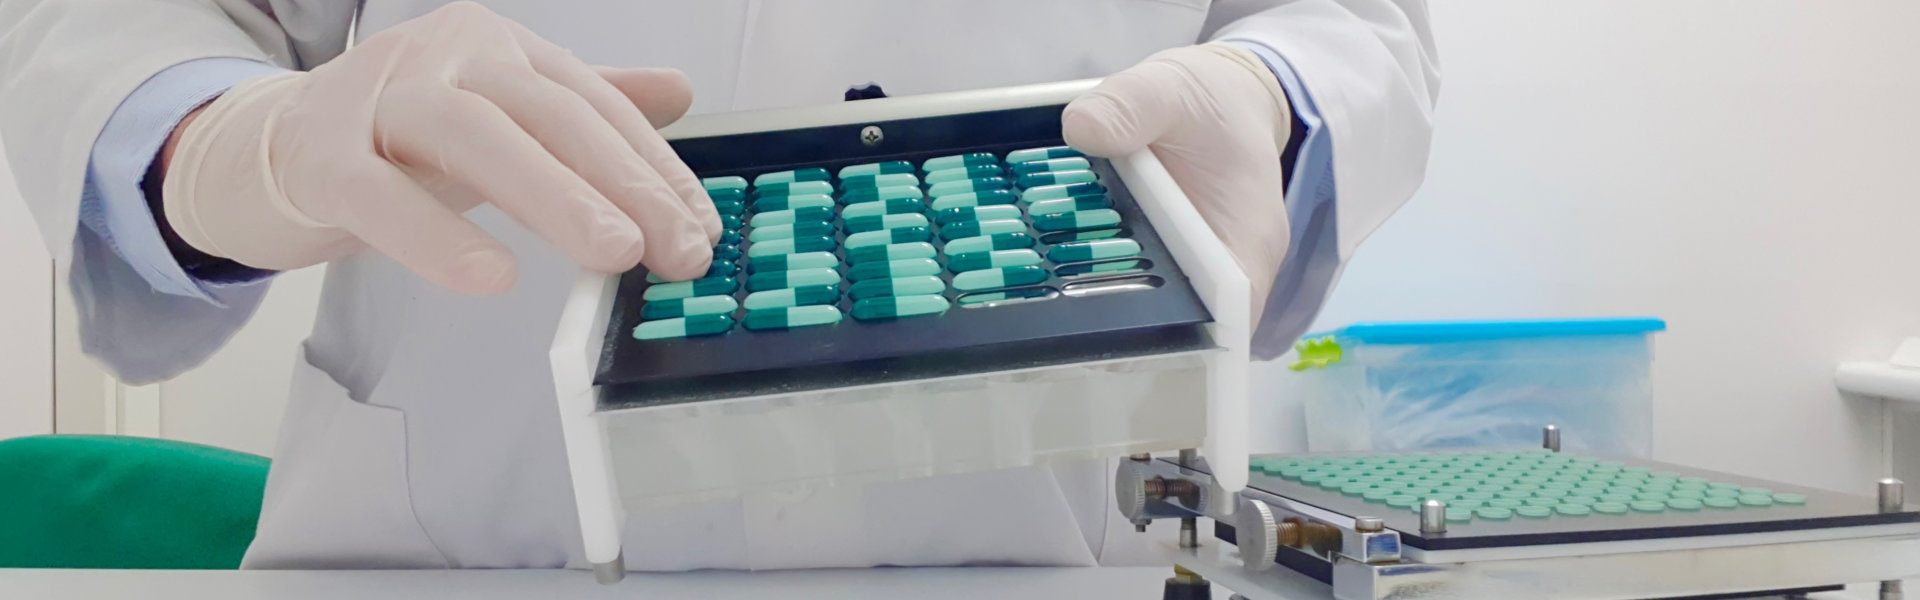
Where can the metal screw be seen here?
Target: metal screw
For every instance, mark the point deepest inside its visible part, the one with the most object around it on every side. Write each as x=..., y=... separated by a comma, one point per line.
x=1433, y=516
x=1369, y=524
x=871, y=135
x=1550, y=438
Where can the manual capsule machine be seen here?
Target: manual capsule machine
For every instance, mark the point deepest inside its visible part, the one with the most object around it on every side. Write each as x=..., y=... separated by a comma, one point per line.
x=1535, y=523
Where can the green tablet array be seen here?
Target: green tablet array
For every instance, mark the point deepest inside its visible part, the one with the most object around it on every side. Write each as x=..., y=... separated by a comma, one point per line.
x=1508, y=485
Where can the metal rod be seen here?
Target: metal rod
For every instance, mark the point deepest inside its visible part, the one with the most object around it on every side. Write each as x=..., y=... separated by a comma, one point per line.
x=1189, y=458
x=1433, y=516
x=1189, y=533
x=1893, y=495
x=1550, y=438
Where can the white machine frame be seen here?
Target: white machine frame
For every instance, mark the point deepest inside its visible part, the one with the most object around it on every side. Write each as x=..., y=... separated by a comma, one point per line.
x=1210, y=268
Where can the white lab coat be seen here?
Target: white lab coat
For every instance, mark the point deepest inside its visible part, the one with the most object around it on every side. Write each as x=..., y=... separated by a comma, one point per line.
x=421, y=430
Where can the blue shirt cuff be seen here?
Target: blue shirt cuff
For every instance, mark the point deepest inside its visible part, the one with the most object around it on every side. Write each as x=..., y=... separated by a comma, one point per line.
x=1310, y=174
x=113, y=204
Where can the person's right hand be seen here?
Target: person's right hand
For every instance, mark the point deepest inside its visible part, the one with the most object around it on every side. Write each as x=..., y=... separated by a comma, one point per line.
x=386, y=145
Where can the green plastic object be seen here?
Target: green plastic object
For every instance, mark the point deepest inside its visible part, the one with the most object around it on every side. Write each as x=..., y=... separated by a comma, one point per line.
x=1534, y=512
x=1316, y=353
x=110, y=502
x=1610, y=508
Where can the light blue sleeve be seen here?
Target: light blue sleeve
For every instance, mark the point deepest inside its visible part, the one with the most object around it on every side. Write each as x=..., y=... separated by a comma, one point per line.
x=141, y=313
x=1313, y=254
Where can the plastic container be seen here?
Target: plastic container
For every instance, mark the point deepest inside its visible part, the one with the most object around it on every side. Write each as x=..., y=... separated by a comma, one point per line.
x=1476, y=384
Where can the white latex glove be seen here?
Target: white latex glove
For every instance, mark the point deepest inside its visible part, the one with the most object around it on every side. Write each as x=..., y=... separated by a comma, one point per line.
x=386, y=145
x=1217, y=118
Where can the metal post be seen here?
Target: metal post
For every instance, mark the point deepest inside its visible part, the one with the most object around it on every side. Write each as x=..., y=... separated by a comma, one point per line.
x=1189, y=526
x=1550, y=438
x=1433, y=516
x=1893, y=499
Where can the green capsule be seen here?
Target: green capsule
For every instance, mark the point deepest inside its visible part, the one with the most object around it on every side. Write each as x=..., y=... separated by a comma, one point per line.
x=967, y=229
x=967, y=185
x=983, y=243
x=773, y=280
x=715, y=184
x=792, y=215
x=773, y=203
x=809, y=174
x=906, y=267
x=1056, y=178
x=974, y=261
x=790, y=317
x=879, y=168
x=865, y=195
x=879, y=222
x=879, y=181
x=731, y=222
x=1060, y=205
x=683, y=327
x=790, y=230
x=976, y=213
x=1052, y=165
x=898, y=286
x=894, y=307
x=717, y=268
x=729, y=207
x=894, y=206
x=998, y=278
x=891, y=252
x=986, y=198
x=1055, y=192
x=959, y=160
x=1033, y=154
x=1079, y=219
x=976, y=171
x=1093, y=250
x=790, y=246
x=727, y=252
x=799, y=296
x=798, y=188
x=711, y=286
x=686, y=307
x=791, y=262
x=883, y=237
x=729, y=237
x=739, y=195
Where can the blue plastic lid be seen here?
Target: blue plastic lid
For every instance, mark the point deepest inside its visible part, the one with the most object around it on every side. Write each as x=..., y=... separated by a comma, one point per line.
x=1434, y=332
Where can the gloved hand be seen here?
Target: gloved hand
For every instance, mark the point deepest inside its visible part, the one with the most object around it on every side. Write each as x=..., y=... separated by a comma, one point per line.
x=1217, y=118
x=386, y=145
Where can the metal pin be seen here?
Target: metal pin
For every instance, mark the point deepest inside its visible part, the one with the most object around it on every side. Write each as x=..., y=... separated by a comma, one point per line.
x=1372, y=524
x=1550, y=438
x=1189, y=458
x=1189, y=533
x=1893, y=495
x=1433, y=516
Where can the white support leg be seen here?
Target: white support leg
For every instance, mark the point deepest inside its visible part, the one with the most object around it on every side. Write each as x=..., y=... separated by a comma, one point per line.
x=576, y=349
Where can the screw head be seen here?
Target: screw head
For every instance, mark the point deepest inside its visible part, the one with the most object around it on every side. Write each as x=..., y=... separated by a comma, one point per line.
x=871, y=135
x=1369, y=524
x=1257, y=534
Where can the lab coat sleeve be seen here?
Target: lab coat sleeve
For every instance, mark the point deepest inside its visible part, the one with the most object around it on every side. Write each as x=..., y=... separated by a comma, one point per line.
x=1368, y=74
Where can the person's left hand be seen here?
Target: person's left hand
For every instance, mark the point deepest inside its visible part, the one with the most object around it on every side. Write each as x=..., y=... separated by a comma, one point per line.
x=1217, y=118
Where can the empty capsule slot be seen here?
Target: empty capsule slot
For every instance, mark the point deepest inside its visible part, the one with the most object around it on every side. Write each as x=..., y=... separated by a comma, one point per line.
x=1061, y=237
x=1102, y=268
x=1112, y=285
x=1007, y=296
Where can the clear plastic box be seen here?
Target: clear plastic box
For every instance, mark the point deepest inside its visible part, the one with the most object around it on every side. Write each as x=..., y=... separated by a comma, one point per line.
x=1465, y=384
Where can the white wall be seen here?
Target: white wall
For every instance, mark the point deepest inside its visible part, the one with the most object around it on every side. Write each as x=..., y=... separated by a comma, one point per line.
x=26, y=319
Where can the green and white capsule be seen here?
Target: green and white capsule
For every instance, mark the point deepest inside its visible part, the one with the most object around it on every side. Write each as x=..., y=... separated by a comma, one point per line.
x=966, y=172
x=718, y=268
x=879, y=168
x=976, y=213
x=967, y=229
x=1080, y=219
x=988, y=243
x=797, y=188
x=808, y=174
x=1060, y=205
x=731, y=222
x=697, y=325
x=995, y=259
x=727, y=251
x=800, y=296
x=963, y=186
x=899, y=286
x=906, y=267
x=718, y=184
x=986, y=198
x=773, y=203
x=791, y=262
x=1093, y=250
x=790, y=230
x=879, y=181
x=896, y=206
x=1050, y=165
x=729, y=237
x=1056, y=178
x=729, y=207
x=789, y=246
x=895, y=307
x=728, y=195
x=959, y=160
x=865, y=195
x=710, y=286
x=1067, y=190
x=998, y=278
x=1033, y=154
x=792, y=317
x=879, y=222
x=883, y=237
x=891, y=252
x=792, y=215
x=774, y=280
x=687, y=307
